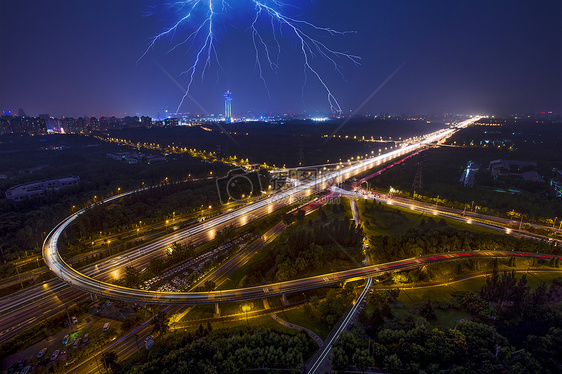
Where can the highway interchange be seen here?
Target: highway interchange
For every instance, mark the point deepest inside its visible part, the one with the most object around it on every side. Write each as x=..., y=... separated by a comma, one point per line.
x=240, y=216
x=50, y=297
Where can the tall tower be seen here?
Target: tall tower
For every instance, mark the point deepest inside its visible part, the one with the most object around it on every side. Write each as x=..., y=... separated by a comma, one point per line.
x=227, y=107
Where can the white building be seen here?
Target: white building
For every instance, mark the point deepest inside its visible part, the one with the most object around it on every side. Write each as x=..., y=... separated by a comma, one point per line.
x=40, y=188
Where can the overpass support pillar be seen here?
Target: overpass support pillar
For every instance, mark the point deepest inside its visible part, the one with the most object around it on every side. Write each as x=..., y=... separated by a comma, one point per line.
x=284, y=299
x=265, y=303
x=217, y=310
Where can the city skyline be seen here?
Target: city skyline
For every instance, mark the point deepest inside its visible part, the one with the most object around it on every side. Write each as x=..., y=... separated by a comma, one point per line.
x=483, y=58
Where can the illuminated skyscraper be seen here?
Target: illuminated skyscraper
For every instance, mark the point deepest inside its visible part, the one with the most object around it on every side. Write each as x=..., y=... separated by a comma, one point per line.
x=227, y=107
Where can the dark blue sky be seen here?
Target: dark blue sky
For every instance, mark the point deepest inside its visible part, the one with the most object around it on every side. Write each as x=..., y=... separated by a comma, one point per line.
x=68, y=57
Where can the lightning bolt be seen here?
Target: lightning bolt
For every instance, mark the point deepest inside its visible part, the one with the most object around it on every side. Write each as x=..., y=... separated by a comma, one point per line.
x=201, y=17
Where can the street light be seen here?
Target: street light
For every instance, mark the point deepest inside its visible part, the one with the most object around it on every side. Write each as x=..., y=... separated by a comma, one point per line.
x=246, y=308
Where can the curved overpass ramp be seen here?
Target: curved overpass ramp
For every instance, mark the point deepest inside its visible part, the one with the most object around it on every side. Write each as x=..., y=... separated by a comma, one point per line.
x=64, y=271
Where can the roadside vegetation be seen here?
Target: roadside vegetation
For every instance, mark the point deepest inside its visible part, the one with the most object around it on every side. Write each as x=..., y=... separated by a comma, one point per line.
x=506, y=326
x=437, y=237
x=233, y=350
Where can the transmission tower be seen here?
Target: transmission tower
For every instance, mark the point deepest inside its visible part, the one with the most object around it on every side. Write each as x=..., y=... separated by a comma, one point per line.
x=418, y=179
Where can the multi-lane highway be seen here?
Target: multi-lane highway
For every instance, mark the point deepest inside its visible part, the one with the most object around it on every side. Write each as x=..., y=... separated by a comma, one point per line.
x=27, y=307
x=239, y=216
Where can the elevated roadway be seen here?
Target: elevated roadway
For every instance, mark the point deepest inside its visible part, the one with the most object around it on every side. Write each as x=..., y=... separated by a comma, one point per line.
x=240, y=216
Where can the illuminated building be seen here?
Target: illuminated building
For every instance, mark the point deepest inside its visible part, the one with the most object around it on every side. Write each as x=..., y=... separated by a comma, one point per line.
x=227, y=107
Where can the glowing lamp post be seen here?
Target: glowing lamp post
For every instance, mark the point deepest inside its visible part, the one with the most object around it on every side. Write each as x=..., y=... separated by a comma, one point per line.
x=246, y=308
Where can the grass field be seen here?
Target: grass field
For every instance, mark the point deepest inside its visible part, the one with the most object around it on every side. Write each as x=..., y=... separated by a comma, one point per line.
x=413, y=220
x=298, y=317
x=263, y=322
x=199, y=312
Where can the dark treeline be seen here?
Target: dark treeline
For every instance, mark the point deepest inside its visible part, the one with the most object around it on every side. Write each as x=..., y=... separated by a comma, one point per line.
x=278, y=144
x=235, y=350
x=332, y=307
x=24, y=224
x=511, y=329
x=437, y=237
x=306, y=249
x=151, y=205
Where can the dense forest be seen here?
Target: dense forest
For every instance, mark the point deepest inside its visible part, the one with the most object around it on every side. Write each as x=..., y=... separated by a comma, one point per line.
x=235, y=350
x=511, y=329
x=306, y=248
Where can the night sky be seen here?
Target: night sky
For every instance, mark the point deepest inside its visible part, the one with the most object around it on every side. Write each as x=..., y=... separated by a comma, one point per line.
x=78, y=58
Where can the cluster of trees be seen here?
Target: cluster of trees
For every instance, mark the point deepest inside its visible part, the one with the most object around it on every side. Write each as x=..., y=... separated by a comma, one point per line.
x=437, y=237
x=129, y=323
x=153, y=205
x=306, y=249
x=332, y=307
x=511, y=328
x=235, y=350
x=520, y=312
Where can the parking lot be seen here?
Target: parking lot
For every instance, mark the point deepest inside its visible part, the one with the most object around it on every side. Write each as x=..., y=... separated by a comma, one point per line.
x=184, y=274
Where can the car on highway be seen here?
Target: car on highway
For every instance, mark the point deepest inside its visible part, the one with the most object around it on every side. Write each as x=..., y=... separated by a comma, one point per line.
x=25, y=370
x=77, y=343
x=108, y=303
x=21, y=365
x=41, y=353
x=149, y=338
x=65, y=339
x=55, y=355
x=106, y=326
x=74, y=319
x=86, y=338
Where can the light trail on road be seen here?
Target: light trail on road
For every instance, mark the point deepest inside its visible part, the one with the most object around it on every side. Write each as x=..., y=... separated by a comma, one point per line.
x=86, y=283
